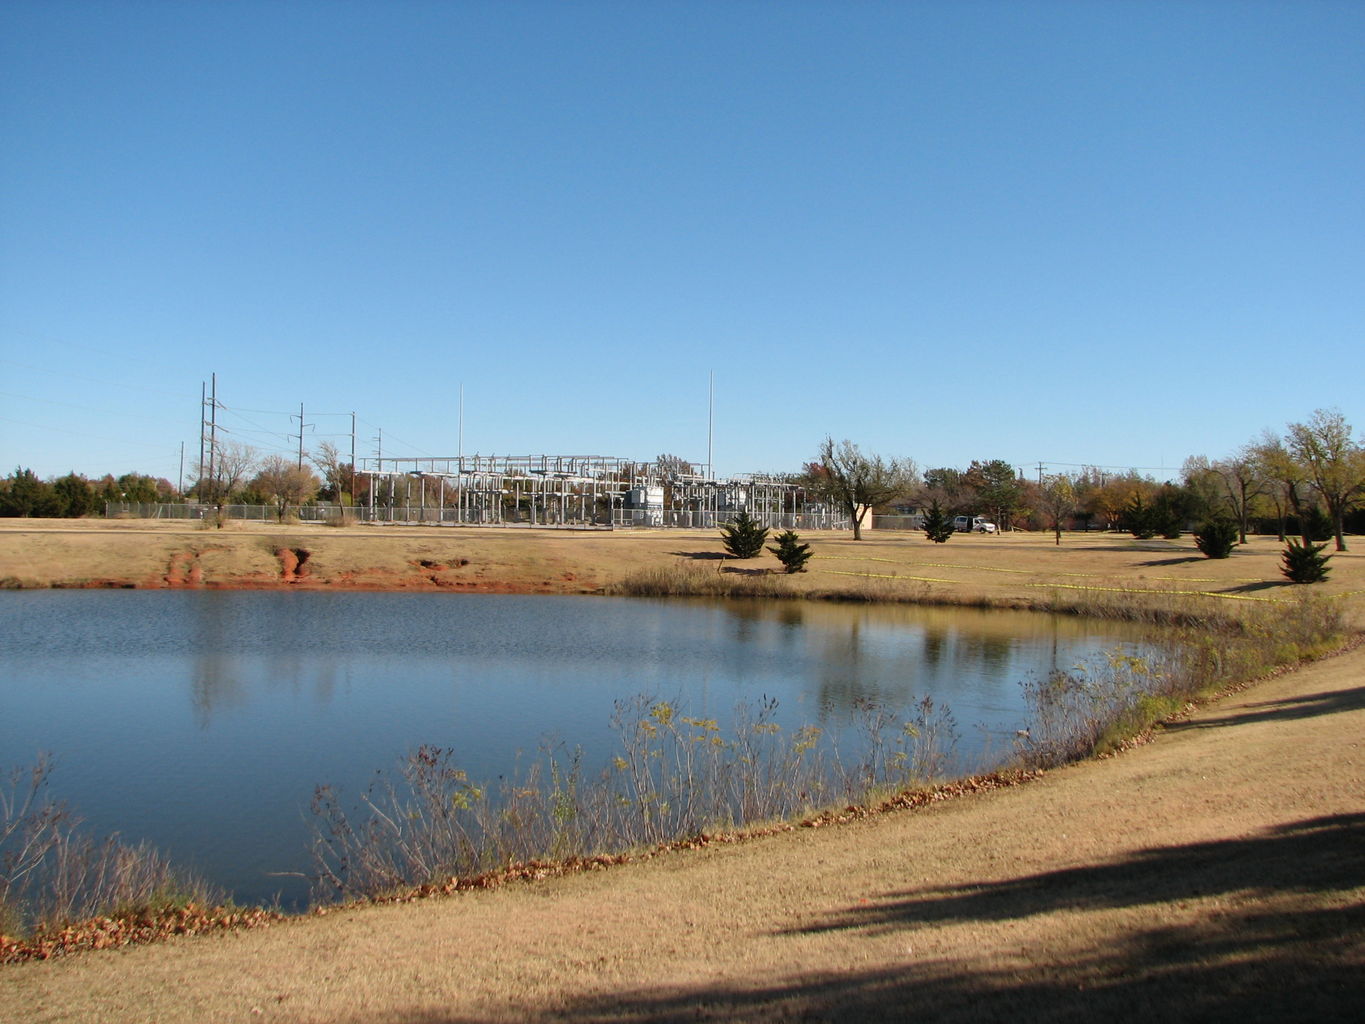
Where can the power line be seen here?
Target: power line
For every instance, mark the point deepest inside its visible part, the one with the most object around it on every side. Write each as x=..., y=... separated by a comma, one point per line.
x=78, y=433
x=1114, y=466
x=405, y=444
x=104, y=382
x=281, y=412
x=66, y=405
x=259, y=428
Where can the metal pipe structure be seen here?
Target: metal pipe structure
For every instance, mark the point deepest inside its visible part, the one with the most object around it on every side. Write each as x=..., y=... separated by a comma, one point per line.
x=583, y=490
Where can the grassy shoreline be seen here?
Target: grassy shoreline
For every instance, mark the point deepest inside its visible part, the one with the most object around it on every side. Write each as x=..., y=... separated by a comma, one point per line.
x=1011, y=570
x=1234, y=642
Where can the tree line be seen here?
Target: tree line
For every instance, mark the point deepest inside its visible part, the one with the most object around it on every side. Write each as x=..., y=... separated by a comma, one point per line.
x=1308, y=482
x=233, y=474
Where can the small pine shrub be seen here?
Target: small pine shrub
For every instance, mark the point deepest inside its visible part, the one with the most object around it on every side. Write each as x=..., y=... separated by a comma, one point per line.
x=1216, y=538
x=791, y=552
x=938, y=524
x=1304, y=562
x=744, y=538
x=1168, y=513
x=1140, y=519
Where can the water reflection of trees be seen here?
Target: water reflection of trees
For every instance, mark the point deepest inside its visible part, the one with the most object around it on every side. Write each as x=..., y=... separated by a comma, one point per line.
x=227, y=629
x=848, y=655
x=896, y=654
x=216, y=684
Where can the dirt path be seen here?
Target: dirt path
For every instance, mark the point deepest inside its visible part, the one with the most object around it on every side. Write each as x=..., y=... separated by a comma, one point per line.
x=1216, y=873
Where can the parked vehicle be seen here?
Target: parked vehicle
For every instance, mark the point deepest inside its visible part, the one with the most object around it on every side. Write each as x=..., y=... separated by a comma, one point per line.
x=973, y=524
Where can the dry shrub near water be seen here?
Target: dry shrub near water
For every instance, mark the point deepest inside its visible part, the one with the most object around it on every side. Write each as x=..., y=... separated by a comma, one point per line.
x=690, y=579
x=1149, y=609
x=1095, y=708
x=674, y=777
x=677, y=777
x=53, y=873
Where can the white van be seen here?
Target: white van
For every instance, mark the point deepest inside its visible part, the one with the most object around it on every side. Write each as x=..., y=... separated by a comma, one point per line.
x=973, y=524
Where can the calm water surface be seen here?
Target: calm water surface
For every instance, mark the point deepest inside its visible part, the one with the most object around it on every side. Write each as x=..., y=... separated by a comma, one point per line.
x=202, y=721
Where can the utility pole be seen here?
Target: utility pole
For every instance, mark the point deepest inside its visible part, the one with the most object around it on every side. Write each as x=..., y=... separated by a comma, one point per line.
x=710, y=426
x=212, y=424
x=1040, y=474
x=203, y=397
x=353, y=460
x=301, y=424
x=213, y=433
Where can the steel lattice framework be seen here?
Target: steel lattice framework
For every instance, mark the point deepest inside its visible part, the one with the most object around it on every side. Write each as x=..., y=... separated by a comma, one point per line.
x=575, y=490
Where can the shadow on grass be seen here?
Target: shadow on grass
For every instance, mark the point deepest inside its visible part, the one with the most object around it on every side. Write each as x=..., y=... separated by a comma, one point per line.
x=1308, y=705
x=709, y=556
x=1274, y=860
x=1281, y=938
x=1251, y=588
x=1156, y=562
x=1131, y=545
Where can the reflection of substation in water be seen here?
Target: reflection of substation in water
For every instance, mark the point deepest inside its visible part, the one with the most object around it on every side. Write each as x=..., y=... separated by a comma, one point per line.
x=585, y=490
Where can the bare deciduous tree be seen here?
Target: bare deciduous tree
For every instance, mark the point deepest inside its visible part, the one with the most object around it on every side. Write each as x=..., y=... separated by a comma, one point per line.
x=1283, y=475
x=228, y=466
x=1333, y=463
x=857, y=482
x=336, y=474
x=1233, y=483
x=1243, y=482
x=287, y=483
x=1057, y=496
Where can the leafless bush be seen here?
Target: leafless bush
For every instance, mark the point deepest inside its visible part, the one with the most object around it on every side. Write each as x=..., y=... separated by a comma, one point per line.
x=339, y=517
x=689, y=579
x=674, y=777
x=1072, y=712
x=677, y=775
x=52, y=873
x=898, y=753
x=30, y=827
x=1094, y=708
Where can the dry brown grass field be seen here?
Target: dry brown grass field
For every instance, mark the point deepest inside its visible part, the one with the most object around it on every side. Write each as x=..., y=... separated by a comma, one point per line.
x=1016, y=569
x=1217, y=872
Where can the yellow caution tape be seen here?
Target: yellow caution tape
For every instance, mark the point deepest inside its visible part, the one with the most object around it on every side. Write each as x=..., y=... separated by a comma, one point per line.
x=956, y=565
x=1155, y=593
x=884, y=576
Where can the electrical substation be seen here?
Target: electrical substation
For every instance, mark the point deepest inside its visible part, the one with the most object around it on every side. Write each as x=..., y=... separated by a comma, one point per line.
x=574, y=490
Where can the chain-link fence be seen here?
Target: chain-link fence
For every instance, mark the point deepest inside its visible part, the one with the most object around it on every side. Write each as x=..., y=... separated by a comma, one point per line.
x=613, y=518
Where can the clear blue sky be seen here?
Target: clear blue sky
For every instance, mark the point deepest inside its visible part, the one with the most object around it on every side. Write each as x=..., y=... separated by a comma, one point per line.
x=1116, y=233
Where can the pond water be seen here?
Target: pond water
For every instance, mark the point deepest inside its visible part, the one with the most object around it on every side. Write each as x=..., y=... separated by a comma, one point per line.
x=202, y=721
